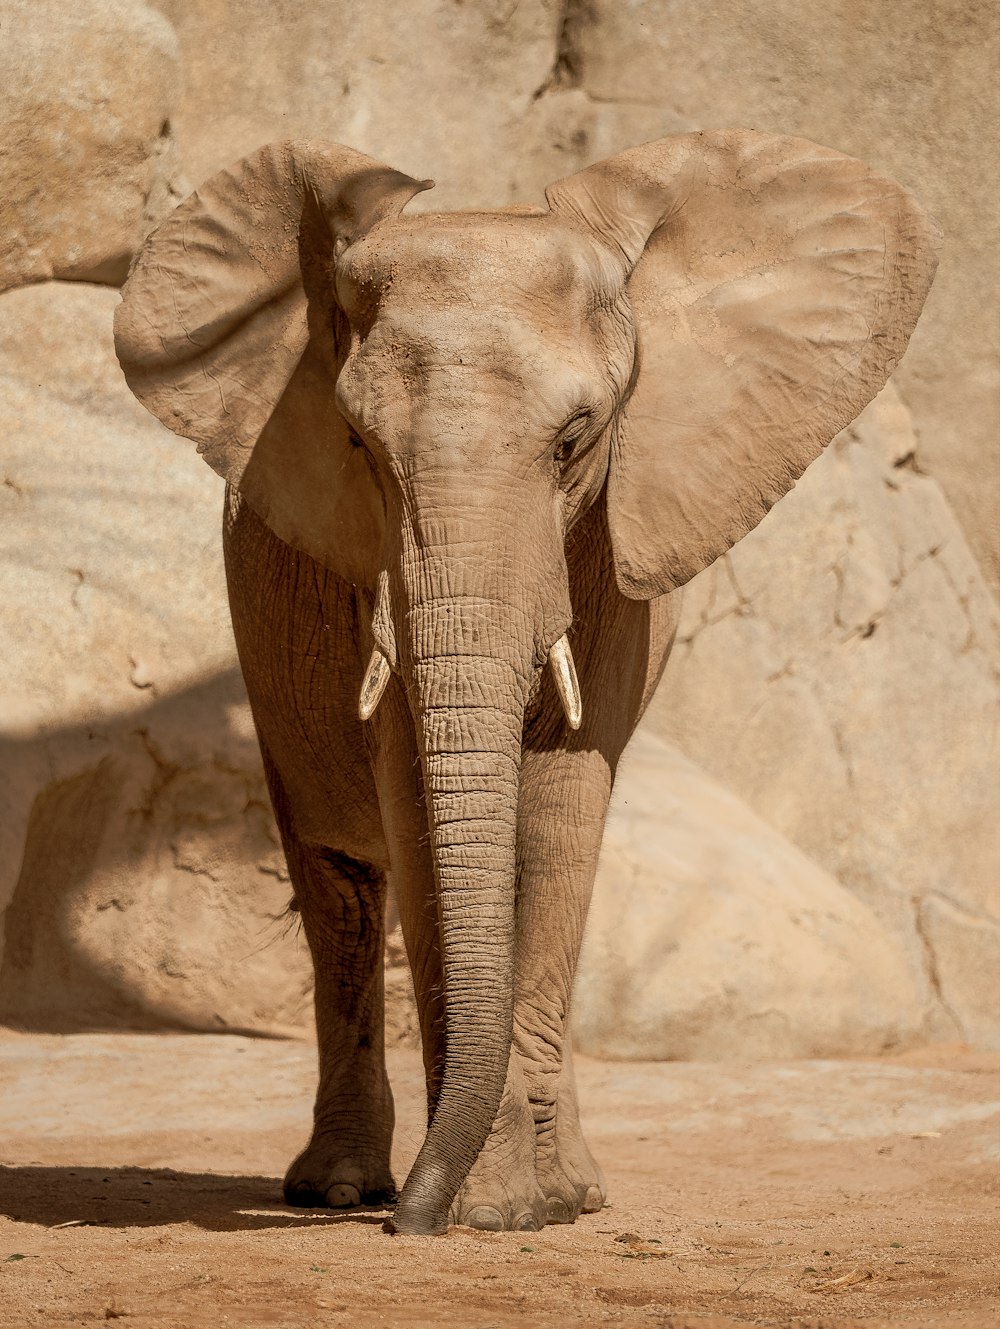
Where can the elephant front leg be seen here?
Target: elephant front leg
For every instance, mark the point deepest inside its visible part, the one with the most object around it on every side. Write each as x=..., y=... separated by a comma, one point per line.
x=565, y=798
x=341, y=902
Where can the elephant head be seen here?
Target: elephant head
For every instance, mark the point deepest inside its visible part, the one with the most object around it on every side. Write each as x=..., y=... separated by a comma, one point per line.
x=427, y=404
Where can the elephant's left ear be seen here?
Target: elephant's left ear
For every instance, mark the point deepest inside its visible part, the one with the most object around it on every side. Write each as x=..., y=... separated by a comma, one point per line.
x=774, y=286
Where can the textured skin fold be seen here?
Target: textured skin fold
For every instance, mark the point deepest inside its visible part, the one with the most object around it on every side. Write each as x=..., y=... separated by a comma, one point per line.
x=775, y=286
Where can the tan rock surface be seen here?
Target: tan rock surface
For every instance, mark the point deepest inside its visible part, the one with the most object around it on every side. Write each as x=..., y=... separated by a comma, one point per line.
x=710, y=936
x=472, y=95
x=839, y=670
x=434, y=88
x=87, y=154
x=137, y=852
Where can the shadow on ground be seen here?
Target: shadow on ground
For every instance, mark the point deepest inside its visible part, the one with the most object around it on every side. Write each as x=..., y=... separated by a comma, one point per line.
x=146, y=1197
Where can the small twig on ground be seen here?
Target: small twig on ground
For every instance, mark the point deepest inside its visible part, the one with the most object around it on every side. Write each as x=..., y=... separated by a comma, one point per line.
x=759, y=1270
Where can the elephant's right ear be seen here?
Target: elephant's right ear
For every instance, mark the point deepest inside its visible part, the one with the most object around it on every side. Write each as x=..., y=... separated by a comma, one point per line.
x=218, y=308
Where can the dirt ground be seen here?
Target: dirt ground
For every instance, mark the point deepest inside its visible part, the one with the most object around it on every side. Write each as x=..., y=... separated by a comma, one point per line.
x=141, y=1183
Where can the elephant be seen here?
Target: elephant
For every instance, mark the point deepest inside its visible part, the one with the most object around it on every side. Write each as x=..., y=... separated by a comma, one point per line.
x=471, y=458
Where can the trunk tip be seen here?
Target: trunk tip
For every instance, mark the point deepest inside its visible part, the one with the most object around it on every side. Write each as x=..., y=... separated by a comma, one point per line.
x=406, y=1222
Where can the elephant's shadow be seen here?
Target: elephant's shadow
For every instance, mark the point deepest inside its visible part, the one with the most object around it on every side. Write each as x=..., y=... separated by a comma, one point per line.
x=128, y=1197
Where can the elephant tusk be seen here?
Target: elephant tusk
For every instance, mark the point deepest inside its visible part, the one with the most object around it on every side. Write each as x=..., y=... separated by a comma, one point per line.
x=376, y=677
x=567, y=683
x=383, y=628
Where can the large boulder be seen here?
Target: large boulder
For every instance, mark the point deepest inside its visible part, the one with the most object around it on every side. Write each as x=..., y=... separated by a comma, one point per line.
x=87, y=153
x=138, y=856
x=711, y=936
x=839, y=670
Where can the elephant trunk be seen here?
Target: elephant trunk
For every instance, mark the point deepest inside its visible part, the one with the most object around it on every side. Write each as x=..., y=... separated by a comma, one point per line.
x=468, y=656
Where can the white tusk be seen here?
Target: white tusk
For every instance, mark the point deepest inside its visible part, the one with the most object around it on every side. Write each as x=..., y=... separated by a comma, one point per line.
x=567, y=683
x=383, y=628
x=376, y=677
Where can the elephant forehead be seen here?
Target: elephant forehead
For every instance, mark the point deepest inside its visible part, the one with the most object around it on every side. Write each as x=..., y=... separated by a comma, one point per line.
x=505, y=342
x=479, y=260
x=462, y=364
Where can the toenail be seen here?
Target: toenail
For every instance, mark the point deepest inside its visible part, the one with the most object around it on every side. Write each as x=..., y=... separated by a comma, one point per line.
x=557, y=1210
x=486, y=1218
x=342, y=1196
x=526, y=1223
x=593, y=1200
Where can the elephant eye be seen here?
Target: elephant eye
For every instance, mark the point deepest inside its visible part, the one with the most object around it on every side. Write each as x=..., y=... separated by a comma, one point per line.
x=570, y=434
x=353, y=439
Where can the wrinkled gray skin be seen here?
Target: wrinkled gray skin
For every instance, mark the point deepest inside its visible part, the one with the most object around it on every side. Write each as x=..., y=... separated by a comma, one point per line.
x=454, y=442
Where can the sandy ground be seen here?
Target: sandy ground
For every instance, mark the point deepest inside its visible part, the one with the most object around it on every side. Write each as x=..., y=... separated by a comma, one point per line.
x=140, y=1182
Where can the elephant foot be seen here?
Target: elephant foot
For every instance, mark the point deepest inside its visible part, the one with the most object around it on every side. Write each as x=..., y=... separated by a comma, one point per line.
x=571, y=1186
x=325, y=1177
x=570, y=1179
x=501, y=1193
x=568, y=1174
x=500, y=1201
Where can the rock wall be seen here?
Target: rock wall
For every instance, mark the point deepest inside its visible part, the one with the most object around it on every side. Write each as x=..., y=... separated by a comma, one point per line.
x=839, y=670
x=139, y=865
x=710, y=935
x=88, y=157
x=823, y=880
